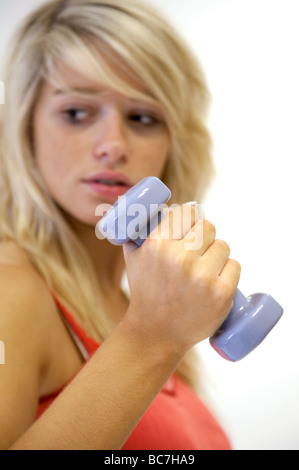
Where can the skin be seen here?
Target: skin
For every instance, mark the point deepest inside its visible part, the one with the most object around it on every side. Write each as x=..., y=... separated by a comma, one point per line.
x=76, y=137
x=102, y=405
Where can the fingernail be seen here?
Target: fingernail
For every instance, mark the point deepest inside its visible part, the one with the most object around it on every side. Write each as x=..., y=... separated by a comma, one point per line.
x=192, y=203
x=198, y=208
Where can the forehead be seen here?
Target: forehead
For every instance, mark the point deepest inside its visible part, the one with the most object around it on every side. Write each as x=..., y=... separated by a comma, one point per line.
x=65, y=78
x=66, y=81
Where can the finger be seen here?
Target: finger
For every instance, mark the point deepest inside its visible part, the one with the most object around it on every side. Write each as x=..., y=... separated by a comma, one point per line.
x=128, y=249
x=193, y=239
x=216, y=256
x=201, y=236
x=177, y=222
x=231, y=273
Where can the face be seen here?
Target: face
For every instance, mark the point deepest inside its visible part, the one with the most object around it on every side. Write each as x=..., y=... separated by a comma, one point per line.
x=92, y=148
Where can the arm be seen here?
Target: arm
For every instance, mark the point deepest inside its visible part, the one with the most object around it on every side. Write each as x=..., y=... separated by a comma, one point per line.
x=22, y=333
x=104, y=403
x=178, y=299
x=100, y=408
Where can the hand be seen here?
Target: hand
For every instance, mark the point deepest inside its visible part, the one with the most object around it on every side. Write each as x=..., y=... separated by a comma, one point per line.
x=180, y=297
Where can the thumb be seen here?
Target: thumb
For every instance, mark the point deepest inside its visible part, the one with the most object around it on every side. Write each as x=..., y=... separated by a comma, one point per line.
x=128, y=249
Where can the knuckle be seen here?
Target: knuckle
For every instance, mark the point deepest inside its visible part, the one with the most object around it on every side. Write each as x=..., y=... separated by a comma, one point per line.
x=223, y=292
x=181, y=219
x=209, y=228
x=236, y=265
x=188, y=210
x=224, y=245
x=189, y=214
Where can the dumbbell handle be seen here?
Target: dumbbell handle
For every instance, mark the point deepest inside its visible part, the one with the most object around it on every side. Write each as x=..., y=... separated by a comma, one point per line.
x=251, y=318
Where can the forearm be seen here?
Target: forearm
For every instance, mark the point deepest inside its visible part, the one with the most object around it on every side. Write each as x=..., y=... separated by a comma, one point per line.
x=104, y=403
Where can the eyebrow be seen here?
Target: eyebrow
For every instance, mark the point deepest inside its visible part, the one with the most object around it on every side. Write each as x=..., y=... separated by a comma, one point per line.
x=91, y=92
x=81, y=91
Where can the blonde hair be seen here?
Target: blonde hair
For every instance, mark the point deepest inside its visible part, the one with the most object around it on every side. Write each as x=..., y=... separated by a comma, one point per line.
x=82, y=34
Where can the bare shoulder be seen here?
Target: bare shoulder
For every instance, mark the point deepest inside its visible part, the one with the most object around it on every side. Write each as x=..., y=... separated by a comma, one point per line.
x=31, y=323
x=24, y=322
x=12, y=254
x=25, y=305
x=19, y=281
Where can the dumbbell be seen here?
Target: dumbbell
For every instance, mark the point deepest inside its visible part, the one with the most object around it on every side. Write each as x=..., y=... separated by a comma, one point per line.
x=251, y=318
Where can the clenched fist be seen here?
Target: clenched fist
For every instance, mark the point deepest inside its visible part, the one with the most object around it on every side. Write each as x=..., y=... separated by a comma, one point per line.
x=180, y=296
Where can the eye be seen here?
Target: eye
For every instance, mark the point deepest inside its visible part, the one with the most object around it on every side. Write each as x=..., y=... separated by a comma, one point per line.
x=75, y=115
x=144, y=119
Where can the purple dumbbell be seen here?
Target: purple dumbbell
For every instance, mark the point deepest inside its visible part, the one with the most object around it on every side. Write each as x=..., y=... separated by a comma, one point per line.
x=251, y=318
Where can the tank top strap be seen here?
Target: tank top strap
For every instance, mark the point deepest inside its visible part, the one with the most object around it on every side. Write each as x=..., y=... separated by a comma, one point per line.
x=85, y=343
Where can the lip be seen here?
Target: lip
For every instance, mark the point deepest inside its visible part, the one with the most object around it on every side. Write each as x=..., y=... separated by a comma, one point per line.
x=96, y=182
x=109, y=176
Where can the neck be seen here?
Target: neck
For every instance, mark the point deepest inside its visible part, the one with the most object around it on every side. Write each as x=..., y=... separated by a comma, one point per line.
x=107, y=259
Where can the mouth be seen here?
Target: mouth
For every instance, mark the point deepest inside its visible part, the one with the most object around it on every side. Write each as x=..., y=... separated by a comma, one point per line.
x=108, y=184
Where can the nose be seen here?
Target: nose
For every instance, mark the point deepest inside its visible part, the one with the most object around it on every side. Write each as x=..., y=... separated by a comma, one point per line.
x=111, y=140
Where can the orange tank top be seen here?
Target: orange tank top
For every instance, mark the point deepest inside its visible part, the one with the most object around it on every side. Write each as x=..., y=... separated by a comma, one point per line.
x=176, y=420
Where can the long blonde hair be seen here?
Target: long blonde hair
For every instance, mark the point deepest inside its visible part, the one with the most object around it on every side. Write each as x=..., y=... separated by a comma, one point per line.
x=81, y=34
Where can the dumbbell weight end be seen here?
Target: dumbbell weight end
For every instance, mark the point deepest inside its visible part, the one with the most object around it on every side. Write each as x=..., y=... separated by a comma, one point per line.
x=247, y=325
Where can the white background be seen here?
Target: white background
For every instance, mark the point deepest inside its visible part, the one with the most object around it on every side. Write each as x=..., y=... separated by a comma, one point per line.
x=249, y=50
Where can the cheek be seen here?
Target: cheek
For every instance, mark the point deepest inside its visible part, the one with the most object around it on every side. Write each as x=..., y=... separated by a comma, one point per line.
x=49, y=164
x=155, y=154
x=54, y=153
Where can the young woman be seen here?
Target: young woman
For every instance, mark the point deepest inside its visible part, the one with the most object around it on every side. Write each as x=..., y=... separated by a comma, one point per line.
x=98, y=96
